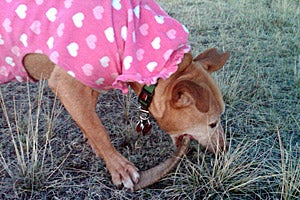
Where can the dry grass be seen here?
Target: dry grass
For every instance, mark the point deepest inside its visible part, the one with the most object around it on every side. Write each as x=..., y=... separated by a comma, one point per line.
x=43, y=154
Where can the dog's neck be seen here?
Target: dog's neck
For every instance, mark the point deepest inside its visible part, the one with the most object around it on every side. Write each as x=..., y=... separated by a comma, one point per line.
x=157, y=107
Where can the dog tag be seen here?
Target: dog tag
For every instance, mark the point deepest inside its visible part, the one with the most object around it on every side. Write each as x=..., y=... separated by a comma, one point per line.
x=143, y=124
x=147, y=127
x=139, y=126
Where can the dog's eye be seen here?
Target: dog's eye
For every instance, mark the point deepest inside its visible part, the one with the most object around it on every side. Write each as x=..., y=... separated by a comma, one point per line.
x=213, y=125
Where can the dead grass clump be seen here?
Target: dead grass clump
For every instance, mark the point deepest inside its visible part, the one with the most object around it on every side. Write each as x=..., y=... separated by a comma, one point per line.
x=29, y=169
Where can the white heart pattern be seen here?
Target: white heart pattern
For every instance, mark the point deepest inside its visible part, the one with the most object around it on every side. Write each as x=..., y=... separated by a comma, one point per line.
x=144, y=29
x=97, y=11
x=68, y=3
x=39, y=2
x=60, y=29
x=127, y=62
x=54, y=56
x=21, y=11
x=7, y=25
x=16, y=51
x=100, y=81
x=159, y=19
x=20, y=79
x=78, y=19
x=109, y=33
x=88, y=69
x=104, y=61
x=156, y=43
x=124, y=33
x=23, y=39
x=117, y=4
x=136, y=11
x=3, y=71
x=10, y=61
x=71, y=73
x=73, y=49
x=50, y=42
x=171, y=34
x=140, y=54
x=151, y=66
x=51, y=14
x=36, y=27
x=91, y=41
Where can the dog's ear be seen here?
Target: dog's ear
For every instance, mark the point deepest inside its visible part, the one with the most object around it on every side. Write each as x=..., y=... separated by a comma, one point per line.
x=212, y=60
x=185, y=62
x=186, y=93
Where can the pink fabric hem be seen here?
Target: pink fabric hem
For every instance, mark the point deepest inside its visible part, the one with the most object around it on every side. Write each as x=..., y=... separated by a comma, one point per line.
x=170, y=68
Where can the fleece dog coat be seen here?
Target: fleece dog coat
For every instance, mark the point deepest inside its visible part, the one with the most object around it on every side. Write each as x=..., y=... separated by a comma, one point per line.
x=102, y=43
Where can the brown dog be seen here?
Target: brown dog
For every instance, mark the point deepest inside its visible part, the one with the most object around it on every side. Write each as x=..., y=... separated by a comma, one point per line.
x=187, y=103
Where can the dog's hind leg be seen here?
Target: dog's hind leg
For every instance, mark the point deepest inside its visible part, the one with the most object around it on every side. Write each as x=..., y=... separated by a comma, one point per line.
x=38, y=66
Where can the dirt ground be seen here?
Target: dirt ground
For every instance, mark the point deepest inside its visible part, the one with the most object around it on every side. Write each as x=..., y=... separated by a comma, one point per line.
x=43, y=154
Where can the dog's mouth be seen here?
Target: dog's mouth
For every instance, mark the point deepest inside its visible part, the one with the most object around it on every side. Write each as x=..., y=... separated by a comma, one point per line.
x=178, y=140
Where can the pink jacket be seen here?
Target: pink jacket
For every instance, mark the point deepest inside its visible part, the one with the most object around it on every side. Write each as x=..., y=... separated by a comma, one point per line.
x=103, y=44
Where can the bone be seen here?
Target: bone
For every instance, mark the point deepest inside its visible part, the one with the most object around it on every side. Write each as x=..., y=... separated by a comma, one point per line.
x=154, y=174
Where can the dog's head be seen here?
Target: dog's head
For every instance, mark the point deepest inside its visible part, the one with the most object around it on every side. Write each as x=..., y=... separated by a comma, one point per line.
x=190, y=103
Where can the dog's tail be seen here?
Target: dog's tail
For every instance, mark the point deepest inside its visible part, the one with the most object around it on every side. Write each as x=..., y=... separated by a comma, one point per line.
x=38, y=66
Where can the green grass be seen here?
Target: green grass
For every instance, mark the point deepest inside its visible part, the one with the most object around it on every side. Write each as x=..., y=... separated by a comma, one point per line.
x=44, y=155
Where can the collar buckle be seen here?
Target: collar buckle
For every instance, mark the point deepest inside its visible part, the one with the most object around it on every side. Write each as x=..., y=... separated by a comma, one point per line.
x=146, y=95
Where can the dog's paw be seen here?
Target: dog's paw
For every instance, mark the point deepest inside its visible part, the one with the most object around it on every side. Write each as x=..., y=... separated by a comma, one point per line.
x=123, y=173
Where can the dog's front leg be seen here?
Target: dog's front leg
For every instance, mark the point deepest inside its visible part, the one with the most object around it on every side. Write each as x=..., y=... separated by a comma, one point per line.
x=80, y=101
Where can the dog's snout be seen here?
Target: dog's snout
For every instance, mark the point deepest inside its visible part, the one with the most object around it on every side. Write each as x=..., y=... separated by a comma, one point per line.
x=218, y=141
